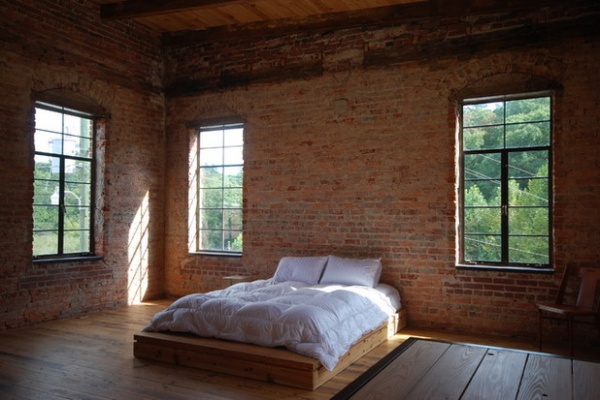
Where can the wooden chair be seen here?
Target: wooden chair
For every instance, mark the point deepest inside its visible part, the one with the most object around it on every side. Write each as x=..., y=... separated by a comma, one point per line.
x=585, y=309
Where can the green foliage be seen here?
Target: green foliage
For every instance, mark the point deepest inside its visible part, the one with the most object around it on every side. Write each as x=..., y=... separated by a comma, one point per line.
x=46, y=209
x=238, y=243
x=221, y=208
x=45, y=215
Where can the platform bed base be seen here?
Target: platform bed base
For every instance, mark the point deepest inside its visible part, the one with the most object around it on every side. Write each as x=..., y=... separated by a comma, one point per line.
x=276, y=365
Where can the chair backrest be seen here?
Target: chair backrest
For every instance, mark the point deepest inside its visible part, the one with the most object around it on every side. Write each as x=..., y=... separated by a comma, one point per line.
x=588, y=289
x=569, y=272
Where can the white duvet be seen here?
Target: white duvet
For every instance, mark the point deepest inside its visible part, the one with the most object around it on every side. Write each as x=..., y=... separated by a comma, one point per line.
x=319, y=321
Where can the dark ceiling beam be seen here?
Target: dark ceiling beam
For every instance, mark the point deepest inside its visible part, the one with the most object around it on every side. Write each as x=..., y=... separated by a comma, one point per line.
x=147, y=8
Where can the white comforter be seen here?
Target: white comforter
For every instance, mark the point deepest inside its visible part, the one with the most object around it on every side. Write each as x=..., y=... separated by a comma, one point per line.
x=321, y=321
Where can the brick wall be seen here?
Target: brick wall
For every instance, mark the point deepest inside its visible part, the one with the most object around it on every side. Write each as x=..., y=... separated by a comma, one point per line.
x=356, y=157
x=47, y=45
x=350, y=150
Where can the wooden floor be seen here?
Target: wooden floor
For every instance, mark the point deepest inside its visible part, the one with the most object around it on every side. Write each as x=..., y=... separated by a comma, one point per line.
x=92, y=358
x=432, y=369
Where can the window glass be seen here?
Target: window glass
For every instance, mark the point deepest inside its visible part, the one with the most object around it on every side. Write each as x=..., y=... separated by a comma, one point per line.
x=505, y=187
x=63, y=182
x=220, y=175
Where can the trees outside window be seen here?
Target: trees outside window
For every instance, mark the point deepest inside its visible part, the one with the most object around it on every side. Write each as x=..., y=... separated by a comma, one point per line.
x=505, y=186
x=220, y=176
x=63, y=206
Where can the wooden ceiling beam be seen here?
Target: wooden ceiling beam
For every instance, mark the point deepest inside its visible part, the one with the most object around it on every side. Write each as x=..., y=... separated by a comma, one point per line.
x=147, y=8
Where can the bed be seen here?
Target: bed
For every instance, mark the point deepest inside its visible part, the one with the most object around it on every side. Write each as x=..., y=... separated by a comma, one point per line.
x=301, y=327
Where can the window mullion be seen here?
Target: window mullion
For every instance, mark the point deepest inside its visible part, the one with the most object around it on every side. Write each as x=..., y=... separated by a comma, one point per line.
x=504, y=200
x=61, y=205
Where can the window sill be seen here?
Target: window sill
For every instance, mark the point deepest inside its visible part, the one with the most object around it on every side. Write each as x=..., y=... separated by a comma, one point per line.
x=497, y=268
x=52, y=260
x=214, y=254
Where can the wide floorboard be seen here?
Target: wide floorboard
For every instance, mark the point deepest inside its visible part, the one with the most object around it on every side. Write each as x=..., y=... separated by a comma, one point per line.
x=432, y=369
x=92, y=358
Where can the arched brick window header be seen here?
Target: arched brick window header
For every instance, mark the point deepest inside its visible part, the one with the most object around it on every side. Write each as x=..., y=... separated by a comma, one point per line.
x=73, y=100
x=500, y=84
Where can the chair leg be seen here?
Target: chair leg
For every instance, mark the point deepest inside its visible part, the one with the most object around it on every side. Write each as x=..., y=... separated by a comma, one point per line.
x=570, y=333
x=540, y=330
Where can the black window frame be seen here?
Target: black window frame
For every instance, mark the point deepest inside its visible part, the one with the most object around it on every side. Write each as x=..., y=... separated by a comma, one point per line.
x=62, y=192
x=207, y=128
x=505, y=152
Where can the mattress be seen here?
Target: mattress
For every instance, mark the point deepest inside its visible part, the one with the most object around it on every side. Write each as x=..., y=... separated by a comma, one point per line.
x=321, y=321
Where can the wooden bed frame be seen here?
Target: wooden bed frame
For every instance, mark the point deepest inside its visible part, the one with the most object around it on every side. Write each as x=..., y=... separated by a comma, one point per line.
x=276, y=365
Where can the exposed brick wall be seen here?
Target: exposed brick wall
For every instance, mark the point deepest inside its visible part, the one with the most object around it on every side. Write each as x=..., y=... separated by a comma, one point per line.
x=64, y=45
x=358, y=157
x=350, y=150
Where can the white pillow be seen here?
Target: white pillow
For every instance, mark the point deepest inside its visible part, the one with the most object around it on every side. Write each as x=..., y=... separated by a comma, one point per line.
x=300, y=269
x=352, y=271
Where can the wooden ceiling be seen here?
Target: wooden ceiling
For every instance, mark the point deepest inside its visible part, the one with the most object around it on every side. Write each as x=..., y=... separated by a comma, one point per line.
x=186, y=15
x=226, y=19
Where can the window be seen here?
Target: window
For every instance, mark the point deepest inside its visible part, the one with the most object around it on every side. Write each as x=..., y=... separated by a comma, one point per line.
x=63, y=206
x=220, y=176
x=505, y=187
